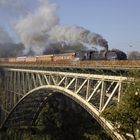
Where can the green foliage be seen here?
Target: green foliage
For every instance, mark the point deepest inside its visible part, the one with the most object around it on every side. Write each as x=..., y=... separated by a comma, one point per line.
x=11, y=50
x=61, y=119
x=64, y=119
x=126, y=115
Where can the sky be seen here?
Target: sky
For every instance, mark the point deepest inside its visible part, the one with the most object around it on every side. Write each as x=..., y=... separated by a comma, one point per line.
x=118, y=21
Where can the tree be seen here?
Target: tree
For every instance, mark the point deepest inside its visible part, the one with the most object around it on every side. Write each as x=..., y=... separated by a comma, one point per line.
x=11, y=49
x=60, y=119
x=63, y=119
x=126, y=114
x=63, y=48
x=134, y=55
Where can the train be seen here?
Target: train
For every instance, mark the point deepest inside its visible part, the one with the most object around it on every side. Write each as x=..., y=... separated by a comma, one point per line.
x=102, y=55
x=71, y=56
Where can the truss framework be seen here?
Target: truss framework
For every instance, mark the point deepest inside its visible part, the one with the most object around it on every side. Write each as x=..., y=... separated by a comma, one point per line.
x=99, y=91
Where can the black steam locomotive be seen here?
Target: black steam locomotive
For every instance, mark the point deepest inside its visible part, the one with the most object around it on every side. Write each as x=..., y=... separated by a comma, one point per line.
x=101, y=55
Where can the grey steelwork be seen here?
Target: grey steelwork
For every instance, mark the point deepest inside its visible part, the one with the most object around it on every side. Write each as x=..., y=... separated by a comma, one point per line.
x=26, y=92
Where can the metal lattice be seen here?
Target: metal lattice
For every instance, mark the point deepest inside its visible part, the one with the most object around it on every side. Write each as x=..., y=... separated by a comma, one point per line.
x=26, y=91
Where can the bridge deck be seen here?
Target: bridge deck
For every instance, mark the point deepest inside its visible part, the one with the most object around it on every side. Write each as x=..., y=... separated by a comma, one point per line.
x=95, y=67
x=89, y=64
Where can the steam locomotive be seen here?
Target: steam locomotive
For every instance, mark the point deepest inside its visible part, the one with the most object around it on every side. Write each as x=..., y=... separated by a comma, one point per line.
x=102, y=55
x=79, y=56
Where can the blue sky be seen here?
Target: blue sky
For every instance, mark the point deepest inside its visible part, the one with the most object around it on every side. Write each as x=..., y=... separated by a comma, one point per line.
x=118, y=21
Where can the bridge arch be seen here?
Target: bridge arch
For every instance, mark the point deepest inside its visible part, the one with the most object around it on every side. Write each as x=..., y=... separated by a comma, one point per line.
x=40, y=94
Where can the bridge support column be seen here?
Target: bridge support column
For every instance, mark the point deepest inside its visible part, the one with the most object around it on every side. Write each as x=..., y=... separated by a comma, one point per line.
x=103, y=92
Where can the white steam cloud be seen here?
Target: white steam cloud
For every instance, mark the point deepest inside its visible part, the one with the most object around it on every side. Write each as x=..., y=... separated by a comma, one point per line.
x=42, y=27
x=34, y=27
x=4, y=37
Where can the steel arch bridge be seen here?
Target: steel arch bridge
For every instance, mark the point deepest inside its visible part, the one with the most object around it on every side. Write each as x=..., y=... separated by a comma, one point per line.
x=26, y=92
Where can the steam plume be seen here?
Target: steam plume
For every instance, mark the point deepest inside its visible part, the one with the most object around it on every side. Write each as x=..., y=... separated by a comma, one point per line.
x=39, y=29
x=76, y=34
x=34, y=27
